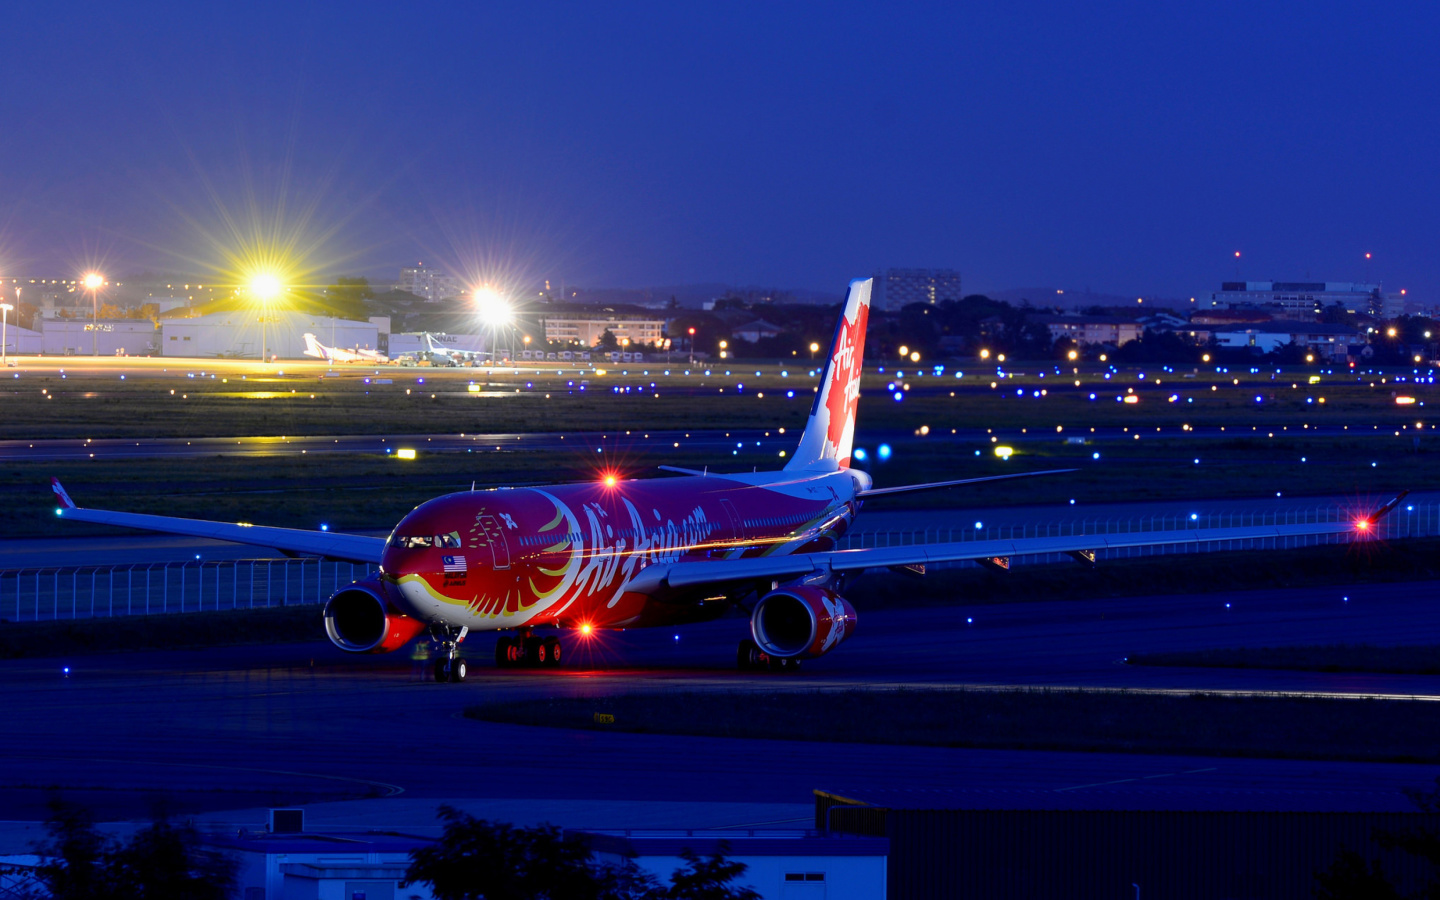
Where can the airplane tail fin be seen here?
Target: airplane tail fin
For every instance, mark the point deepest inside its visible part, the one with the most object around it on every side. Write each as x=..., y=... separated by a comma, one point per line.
x=313, y=348
x=830, y=431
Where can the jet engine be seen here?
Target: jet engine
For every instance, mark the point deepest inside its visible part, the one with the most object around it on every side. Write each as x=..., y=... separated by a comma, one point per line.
x=801, y=622
x=360, y=618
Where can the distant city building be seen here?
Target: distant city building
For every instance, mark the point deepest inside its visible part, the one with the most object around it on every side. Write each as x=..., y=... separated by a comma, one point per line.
x=431, y=284
x=756, y=330
x=166, y=304
x=1329, y=343
x=1087, y=330
x=1301, y=298
x=896, y=288
x=586, y=328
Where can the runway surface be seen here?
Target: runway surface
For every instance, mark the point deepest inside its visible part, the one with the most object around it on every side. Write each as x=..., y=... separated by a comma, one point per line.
x=242, y=728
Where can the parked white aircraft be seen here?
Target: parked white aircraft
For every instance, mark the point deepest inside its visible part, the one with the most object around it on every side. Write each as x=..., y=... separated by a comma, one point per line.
x=314, y=348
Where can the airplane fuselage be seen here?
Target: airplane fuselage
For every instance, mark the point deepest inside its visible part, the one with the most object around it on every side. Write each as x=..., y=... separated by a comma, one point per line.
x=563, y=555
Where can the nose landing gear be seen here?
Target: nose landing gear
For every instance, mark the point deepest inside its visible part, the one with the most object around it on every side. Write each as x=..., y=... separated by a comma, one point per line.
x=449, y=667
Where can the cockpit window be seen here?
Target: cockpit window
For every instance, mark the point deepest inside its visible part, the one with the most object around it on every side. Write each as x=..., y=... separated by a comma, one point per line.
x=416, y=541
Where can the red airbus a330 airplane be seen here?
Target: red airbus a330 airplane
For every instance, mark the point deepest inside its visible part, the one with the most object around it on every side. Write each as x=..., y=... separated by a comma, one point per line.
x=659, y=552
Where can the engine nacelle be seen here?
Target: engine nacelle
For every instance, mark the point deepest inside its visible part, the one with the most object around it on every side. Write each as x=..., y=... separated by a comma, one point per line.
x=360, y=618
x=801, y=622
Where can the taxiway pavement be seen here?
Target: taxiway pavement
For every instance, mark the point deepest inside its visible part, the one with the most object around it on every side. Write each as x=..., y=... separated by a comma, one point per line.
x=247, y=727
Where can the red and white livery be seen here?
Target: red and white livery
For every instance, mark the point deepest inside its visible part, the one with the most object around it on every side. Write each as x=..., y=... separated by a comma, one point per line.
x=536, y=563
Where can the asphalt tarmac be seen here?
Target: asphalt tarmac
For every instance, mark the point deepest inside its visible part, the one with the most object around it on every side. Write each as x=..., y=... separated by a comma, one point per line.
x=248, y=727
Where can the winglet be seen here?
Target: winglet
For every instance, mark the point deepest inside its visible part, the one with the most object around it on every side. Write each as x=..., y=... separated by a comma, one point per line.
x=60, y=494
x=1378, y=514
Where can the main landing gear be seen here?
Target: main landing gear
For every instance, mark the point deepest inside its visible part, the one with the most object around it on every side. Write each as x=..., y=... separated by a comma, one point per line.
x=449, y=667
x=750, y=657
x=526, y=650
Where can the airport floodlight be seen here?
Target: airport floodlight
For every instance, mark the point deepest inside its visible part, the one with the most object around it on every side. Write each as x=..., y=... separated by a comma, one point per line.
x=93, y=281
x=265, y=286
x=494, y=310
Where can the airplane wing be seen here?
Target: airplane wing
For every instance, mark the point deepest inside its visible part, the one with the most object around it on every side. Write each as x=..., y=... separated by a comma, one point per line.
x=349, y=547
x=685, y=574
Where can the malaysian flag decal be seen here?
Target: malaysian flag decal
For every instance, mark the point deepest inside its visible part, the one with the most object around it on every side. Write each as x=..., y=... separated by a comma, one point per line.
x=454, y=564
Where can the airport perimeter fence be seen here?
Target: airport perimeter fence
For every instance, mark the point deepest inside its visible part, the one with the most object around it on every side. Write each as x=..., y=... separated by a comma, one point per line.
x=88, y=592
x=202, y=586
x=1405, y=521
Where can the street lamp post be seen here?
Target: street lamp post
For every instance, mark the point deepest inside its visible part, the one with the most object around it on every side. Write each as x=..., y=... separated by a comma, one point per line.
x=5, y=333
x=692, y=346
x=497, y=313
x=92, y=283
x=265, y=287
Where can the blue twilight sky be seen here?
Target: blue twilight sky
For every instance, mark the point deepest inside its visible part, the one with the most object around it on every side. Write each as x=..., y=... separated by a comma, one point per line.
x=1131, y=148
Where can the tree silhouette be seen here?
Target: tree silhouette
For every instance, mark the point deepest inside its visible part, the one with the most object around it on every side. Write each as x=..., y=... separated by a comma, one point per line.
x=161, y=862
x=708, y=879
x=479, y=860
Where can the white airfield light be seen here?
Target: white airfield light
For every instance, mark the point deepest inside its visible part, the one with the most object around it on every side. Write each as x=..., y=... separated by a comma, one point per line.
x=265, y=286
x=493, y=309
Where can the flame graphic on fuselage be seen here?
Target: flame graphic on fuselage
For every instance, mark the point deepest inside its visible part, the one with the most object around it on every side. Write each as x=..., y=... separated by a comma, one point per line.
x=567, y=554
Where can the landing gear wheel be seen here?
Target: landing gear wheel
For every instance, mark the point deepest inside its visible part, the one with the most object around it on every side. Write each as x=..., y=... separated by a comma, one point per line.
x=749, y=656
x=458, y=671
x=504, y=652
x=549, y=653
x=534, y=647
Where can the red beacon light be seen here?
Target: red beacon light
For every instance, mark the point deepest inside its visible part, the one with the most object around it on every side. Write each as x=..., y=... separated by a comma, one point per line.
x=610, y=480
x=1362, y=524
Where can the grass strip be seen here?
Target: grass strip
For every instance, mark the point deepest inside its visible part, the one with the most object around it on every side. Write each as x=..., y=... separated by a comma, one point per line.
x=1070, y=720
x=175, y=631
x=1322, y=658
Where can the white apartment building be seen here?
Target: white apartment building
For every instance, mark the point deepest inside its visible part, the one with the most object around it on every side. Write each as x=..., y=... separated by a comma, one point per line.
x=429, y=283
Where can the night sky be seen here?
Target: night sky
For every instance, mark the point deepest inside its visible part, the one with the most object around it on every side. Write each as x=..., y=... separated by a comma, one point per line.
x=1131, y=150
